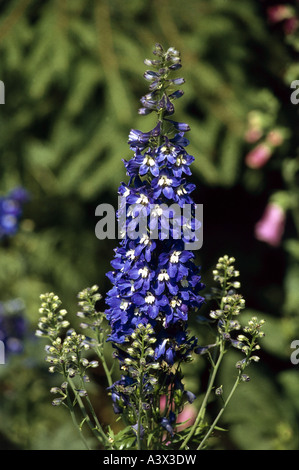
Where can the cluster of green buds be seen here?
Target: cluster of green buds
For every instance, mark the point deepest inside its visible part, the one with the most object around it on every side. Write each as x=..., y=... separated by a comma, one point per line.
x=230, y=305
x=131, y=394
x=225, y=272
x=141, y=347
x=93, y=321
x=71, y=355
x=65, y=355
x=70, y=361
x=147, y=384
x=249, y=344
x=87, y=303
x=52, y=320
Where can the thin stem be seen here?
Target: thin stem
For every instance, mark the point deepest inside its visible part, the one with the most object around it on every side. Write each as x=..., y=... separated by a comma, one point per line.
x=140, y=398
x=220, y=413
x=160, y=119
x=99, y=427
x=139, y=414
x=87, y=417
x=105, y=366
x=201, y=413
x=72, y=412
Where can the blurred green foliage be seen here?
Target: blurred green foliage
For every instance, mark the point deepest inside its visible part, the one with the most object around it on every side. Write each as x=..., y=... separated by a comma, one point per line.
x=73, y=78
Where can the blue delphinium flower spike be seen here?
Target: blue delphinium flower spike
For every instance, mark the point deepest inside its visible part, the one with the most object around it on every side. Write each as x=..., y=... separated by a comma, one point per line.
x=155, y=279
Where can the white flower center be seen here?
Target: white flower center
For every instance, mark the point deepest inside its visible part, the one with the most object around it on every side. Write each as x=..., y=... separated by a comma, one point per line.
x=181, y=190
x=175, y=302
x=164, y=181
x=144, y=272
x=149, y=161
x=180, y=160
x=126, y=193
x=136, y=312
x=124, y=304
x=145, y=240
x=163, y=275
x=130, y=254
x=167, y=149
x=175, y=257
x=143, y=199
x=157, y=211
x=150, y=298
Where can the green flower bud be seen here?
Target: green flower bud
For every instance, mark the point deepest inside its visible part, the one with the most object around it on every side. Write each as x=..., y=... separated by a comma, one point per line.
x=57, y=401
x=245, y=378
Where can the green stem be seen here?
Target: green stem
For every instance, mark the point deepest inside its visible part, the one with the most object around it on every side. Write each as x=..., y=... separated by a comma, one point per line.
x=105, y=366
x=95, y=430
x=72, y=412
x=98, y=425
x=220, y=413
x=160, y=119
x=139, y=414
x=202, y=411
x=141, y=374
x=201, y=414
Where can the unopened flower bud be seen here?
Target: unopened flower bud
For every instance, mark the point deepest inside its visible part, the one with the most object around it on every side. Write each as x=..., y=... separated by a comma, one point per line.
x=57, y=401
x=245, y=378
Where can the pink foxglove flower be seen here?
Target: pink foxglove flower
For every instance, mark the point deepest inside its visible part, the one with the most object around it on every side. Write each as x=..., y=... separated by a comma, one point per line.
x=253, y=134
x=278, y=13
x=258, y=156
x=186, y=417
x=275, y=138
x=290, y=25
x=270, y=227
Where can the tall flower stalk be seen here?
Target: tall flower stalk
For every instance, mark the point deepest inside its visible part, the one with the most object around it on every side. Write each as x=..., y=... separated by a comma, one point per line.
x=156, y=285
x=156, y=282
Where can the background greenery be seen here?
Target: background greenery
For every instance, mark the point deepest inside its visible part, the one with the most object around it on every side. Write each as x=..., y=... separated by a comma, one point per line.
x=73, y=78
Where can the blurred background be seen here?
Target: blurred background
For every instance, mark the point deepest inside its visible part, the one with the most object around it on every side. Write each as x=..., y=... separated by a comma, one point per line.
x=73, y=76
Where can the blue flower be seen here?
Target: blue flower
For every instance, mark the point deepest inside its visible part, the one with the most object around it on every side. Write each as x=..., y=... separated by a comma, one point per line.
x=13, y=326
x=149, y=303
x=142, y=164
x=155, y=280
x=11, y=208
x=167, y=423
x=140, y=140
x=165, y=184
x=120, y=393
x=176, y=262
